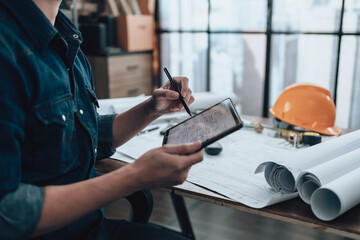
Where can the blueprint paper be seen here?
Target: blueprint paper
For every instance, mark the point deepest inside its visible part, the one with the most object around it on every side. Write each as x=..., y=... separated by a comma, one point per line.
x=308, y=181
x=333, y=199
x=232, y=172
x=281, y=173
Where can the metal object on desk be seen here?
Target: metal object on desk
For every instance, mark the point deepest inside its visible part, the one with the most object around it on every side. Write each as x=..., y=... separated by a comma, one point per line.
x=296, y=136
x=258, y=127
x=299, y=139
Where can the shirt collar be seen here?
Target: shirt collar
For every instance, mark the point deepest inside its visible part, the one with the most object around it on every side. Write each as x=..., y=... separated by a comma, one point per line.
x=67, y=29
x=37, y=26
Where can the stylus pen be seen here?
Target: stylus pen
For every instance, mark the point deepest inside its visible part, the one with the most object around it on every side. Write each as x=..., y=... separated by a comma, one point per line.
x=173, y=84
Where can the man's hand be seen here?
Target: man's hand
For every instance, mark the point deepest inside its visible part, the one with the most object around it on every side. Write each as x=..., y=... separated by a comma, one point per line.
x=167, y=165
x=166, y=100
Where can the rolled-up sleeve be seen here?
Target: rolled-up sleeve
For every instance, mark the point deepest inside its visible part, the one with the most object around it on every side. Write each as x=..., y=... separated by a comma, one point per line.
x=105, y=136
x=20, y=212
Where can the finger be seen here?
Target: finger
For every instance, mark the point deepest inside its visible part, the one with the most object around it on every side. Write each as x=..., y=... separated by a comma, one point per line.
x=183, y=149
x=184, y=83
x=192, y=159
x=168, y=94
x=176, y=108
x=188, y=96
x=167, y=85
x=173, y=109
x=191, y=100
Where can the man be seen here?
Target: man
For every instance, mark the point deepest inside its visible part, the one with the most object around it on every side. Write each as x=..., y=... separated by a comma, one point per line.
x=51, y=134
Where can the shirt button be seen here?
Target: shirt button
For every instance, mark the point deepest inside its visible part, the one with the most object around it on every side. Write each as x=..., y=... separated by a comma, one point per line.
x=75, y=36
x=81, y=111
x=63, y=118
x=95, y=150
x=68, y=69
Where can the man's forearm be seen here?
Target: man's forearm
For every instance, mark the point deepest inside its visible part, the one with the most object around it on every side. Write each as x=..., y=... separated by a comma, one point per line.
x=67, y=203
x=129, y=123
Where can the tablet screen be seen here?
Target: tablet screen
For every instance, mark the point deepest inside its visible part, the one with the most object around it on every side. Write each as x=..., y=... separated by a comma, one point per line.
x=207, y=126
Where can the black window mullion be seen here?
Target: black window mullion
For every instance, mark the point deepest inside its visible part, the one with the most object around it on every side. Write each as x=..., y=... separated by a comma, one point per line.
x=158, y=34
x=265, y=111
x=340, y=34
x=208, y=61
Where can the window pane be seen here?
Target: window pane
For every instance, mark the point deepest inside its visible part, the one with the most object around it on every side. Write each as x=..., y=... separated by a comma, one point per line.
x=306, y=15
x=352, y=16
x=348, y=93
x=184, y=14
x=185, y=55
x=237, y=66
x=236, y=15
x=302, y=58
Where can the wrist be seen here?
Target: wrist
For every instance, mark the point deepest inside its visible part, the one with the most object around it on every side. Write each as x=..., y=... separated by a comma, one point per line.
x=151, y=108
x=133, y=174
x=122, y=182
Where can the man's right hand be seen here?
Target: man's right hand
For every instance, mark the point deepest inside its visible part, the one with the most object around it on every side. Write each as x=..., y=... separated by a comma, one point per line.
x=166, y=166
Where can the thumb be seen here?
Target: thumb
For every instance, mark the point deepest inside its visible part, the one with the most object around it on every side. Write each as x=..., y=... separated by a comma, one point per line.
x=183, y=149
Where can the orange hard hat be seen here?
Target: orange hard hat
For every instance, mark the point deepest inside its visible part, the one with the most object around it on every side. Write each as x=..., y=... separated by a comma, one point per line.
x=307, y=106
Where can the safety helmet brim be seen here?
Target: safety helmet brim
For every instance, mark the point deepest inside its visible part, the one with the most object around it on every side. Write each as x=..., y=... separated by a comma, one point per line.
x=331, y=131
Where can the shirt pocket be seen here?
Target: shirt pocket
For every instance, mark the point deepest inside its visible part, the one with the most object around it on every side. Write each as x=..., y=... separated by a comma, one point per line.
x=55, y=135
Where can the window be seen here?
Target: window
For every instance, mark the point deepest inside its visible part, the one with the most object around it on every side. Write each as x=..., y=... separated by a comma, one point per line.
x=257, y=48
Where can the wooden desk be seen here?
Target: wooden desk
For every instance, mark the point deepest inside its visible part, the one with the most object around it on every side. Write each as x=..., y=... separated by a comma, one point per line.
x=293, y=211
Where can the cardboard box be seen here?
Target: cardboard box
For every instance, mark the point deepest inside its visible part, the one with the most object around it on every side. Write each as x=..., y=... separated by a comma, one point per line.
x=147, y=6
x=135, y=32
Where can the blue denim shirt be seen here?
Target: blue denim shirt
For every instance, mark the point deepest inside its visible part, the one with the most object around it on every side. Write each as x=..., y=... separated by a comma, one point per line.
x=50, y=131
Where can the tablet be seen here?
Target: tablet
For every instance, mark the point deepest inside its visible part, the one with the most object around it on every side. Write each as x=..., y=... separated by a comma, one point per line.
x=207, y=126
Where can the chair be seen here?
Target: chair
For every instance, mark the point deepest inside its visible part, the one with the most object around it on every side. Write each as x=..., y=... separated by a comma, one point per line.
x=141, y=208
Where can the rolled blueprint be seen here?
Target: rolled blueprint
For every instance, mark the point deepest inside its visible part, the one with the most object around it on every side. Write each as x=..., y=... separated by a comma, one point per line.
x=336, y=197
x=310, y=180
x=281, y=174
